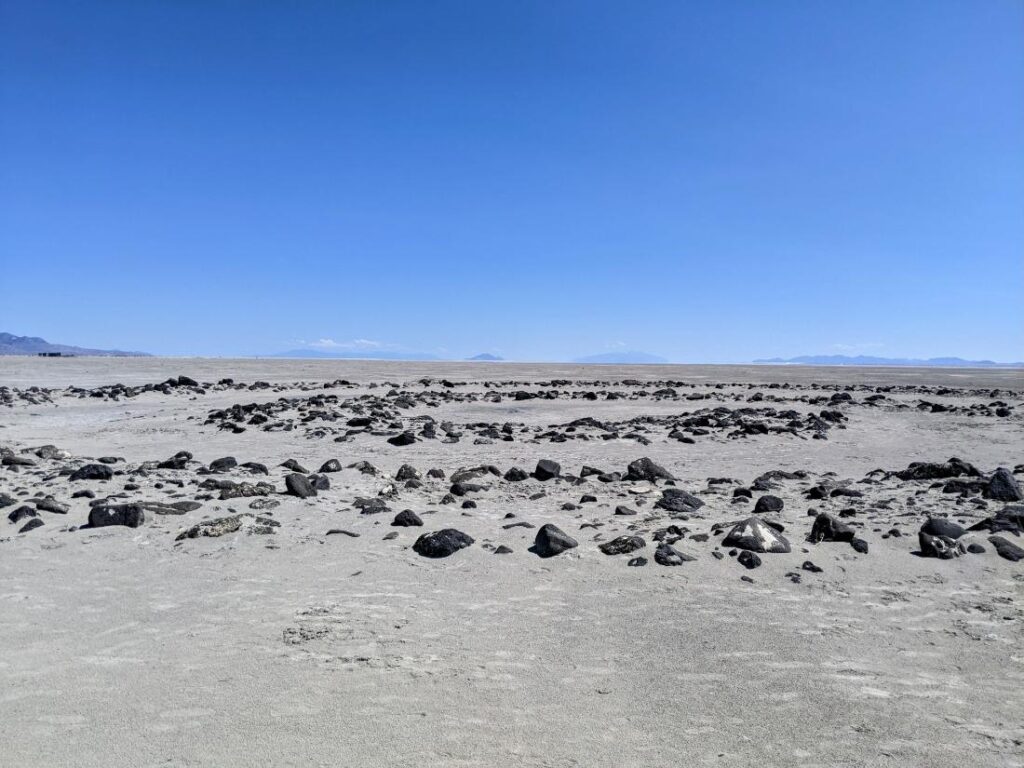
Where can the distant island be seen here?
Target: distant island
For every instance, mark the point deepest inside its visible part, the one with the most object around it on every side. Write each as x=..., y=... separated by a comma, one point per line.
x=621, y=358
x=33, y=345
x=932, y=362
x=485, y=357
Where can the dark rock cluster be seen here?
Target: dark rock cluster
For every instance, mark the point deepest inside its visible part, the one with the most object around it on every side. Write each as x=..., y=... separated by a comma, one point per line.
x=630, y=512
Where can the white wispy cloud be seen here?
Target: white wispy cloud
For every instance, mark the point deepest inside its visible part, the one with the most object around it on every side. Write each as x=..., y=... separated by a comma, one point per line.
x=862, y=346
x=352, y=344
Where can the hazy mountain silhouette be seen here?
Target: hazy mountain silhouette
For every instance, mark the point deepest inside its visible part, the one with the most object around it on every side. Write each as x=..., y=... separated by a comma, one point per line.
x=33, y=345
x=933, y=362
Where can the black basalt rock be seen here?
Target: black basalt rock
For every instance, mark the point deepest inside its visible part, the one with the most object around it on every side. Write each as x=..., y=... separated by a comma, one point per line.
x=1003, y=486
x=940, y=526
x=754, y=535
x=22, y=513
x=622, y=545
x=406, y=519
x=942, y=547
x=668, y=555
x=1006, y=549
x=645, y=469
x=224, y=464
x=748, y=560
x=552, y=540
x=403, y=439
x=679, y=501
x=31, y=525
x=178, y=461
x=92, y=472
x=299, y=485
x=828, y=528
x=768, y=503
x=128, y=515
x=547, y=469
x=442, y=543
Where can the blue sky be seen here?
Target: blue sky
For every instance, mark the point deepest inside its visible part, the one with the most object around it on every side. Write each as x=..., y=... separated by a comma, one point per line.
x=705, y=181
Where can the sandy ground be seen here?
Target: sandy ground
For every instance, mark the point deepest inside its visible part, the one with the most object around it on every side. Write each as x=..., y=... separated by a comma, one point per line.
x=123, y=647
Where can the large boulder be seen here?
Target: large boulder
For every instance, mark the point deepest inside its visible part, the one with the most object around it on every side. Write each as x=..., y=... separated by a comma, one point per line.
x=294, y=466
x=10, y=460
x=407, y=519
x=828, y=528
x=224, y=464
x=941, y=526
x=679, y=501
x=623, y=545
x=1003, y=486
x=21, y=513
x=769, y=480
x=253, y=524
x=216, y=527
x=962, y=486
x=461, y=489
x=442, y=543
x=749, y=560
x=50, y=504
x=1008, y=520
x=92, y=472
x=31, y=525
x=547, y=469
x=175, y=508
x=552, y=540
x=666, y=554
x=51, y=452
x=371, y=506
x=320, y=482
x=942, y=547
x=299, y=485
x=178, y=461
x=231, y=490
x=757, y=536
x=407, y=472
x=768, y=503
x=925, y=470
x=645, y=469
x=405, y=438
x=1006, y=548
x=130, y=515
x=516, y=474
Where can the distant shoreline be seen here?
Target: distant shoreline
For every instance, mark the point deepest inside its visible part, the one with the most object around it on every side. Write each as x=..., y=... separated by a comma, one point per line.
x=506, y=362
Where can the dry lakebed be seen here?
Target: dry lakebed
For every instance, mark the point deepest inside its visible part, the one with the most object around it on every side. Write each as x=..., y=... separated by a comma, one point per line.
x=343, y=563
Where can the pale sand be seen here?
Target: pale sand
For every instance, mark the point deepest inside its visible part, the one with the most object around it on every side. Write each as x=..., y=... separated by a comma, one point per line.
x=122, y=648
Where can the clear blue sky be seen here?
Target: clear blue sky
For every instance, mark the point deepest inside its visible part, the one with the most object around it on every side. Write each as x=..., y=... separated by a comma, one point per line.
x=706, y=181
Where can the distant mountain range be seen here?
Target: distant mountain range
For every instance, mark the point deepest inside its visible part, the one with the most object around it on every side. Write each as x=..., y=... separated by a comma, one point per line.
x=33, y=345
x=621, y=358
x=933, y=362
x=11, y=344
x=361, y=354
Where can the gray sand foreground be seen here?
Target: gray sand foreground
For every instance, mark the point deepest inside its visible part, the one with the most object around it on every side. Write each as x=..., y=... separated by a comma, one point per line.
x=125, y=647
